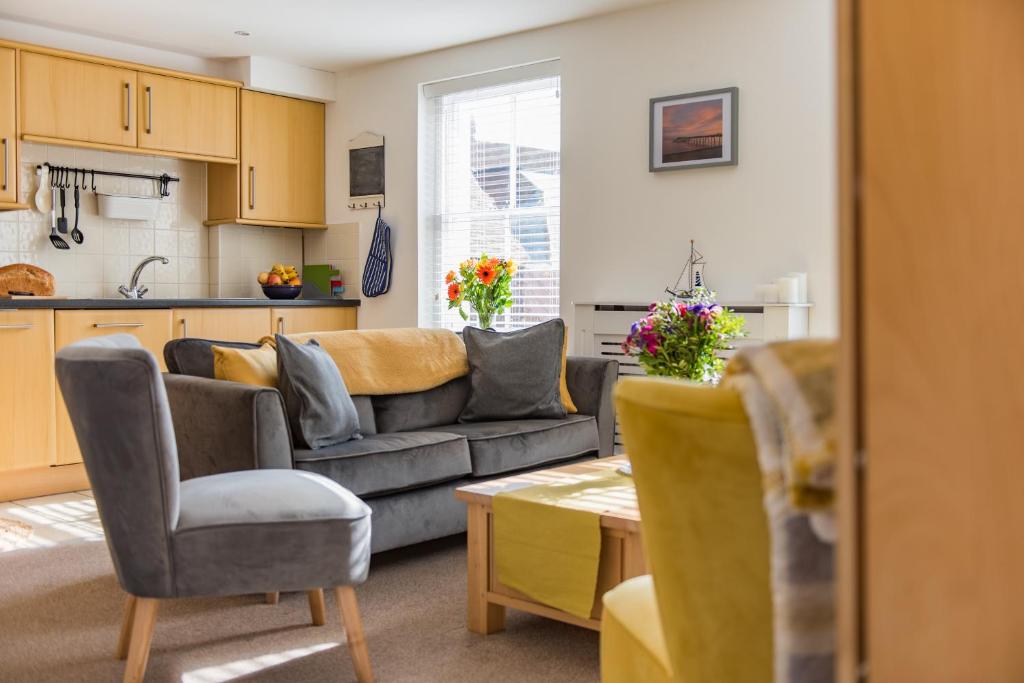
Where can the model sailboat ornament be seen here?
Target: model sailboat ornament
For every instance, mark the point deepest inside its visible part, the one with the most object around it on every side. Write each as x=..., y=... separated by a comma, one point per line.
x=693, y=274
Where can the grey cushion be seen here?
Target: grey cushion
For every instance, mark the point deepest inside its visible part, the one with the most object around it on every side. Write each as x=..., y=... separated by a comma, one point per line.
x=194, y=357
x=268, y=530
x=514, y=375
x=320, y=410
x=409, y=412
x=364, y=409
x=384, y=463
x=510, y=445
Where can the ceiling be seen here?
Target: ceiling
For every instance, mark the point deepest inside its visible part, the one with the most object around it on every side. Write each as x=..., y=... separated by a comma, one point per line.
x=324, y=34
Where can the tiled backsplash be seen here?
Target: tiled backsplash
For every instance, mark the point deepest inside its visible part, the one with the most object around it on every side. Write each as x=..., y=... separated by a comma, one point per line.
x=222, y=261
x=338, y=245
x=112, y=248
x=238, y=253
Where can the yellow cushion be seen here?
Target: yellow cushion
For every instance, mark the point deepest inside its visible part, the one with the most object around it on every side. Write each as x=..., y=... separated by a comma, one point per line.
x=632, y=643
x=248, y=366
x=563, y=387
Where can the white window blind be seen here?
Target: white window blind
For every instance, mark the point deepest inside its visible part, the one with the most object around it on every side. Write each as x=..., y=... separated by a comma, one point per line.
x=491, y=184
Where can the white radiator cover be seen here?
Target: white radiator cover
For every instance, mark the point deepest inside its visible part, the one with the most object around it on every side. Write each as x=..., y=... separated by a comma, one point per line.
x=599, y=328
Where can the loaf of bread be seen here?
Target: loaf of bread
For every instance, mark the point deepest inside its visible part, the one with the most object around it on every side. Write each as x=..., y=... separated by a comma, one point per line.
x=24, y=278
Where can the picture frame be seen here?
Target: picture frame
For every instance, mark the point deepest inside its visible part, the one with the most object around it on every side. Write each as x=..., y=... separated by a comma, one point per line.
x=694, y=130
x=366, y=171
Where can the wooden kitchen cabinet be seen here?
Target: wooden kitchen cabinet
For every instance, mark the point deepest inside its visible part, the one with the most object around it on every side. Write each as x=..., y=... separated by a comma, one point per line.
x=221, y=324
x=8, y=128
x=151, y=327
x=280, y=177
x=74, y=100
x=187, y=116
x=295, y=320
x=27, y=437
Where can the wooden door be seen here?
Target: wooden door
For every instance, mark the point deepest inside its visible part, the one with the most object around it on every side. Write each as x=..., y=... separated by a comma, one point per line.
x=222, y=324
x=312, y=319
x=8, y=128
x=282, y=161
x=151, y=327
x=27, y=396
x=935, y=320
x=188, y=117
x=77, y=100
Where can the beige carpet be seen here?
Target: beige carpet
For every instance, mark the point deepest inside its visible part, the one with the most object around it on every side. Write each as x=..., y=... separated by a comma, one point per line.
x=60, y=610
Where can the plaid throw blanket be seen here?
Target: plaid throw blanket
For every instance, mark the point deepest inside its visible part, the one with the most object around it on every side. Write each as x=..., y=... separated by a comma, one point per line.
x=788, y=391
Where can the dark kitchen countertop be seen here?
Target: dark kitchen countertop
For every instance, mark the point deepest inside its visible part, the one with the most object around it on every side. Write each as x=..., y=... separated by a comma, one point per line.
x=174, y=303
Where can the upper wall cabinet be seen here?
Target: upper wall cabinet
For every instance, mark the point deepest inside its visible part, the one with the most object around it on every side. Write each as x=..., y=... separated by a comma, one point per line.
x=8, y=130
x=74, y=100
x=282, y=158
x=187, y=116
x=280, y=180
x=89, y=102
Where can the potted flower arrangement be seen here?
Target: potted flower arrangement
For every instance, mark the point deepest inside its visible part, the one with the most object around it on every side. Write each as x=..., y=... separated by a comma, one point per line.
x=684, y=338
x=486, y=283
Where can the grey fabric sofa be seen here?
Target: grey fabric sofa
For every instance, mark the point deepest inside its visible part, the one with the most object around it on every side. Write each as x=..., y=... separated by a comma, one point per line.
x=413, y=453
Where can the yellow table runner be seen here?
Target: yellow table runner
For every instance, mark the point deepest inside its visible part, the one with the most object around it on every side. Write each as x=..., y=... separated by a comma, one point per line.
x=547, y=539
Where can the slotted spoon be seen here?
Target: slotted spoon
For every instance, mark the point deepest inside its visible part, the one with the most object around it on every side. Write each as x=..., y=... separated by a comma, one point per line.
x=55, y=239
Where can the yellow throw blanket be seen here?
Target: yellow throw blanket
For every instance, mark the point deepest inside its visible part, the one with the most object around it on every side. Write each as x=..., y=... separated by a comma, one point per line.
x=788, y=391
x=547, y=539
x=391, y=361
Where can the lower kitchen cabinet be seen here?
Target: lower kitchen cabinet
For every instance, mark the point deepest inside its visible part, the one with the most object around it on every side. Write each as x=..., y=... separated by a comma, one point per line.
x=27, y=396
x=295, y=320
x=222, y=324
x=151, y=327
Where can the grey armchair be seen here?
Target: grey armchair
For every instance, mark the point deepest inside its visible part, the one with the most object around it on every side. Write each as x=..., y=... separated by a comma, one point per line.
x=257, y=531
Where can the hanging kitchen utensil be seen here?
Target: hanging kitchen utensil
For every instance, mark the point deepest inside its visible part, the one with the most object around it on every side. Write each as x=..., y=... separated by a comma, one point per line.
x=55, y=239
x=62, y=222
x=76, y=234
x=377, y=271
x=43, y=190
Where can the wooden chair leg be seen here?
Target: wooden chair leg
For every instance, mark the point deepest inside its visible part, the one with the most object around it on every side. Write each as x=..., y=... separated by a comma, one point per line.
x=353, y=623
x=125, y=639
x=317, y=607
x=272, y=598
x=142, y=636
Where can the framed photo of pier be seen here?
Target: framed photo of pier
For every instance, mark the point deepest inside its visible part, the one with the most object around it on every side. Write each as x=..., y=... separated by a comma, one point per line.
x=695, y=130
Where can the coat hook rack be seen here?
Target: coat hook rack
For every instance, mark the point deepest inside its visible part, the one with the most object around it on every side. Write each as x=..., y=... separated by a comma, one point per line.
x=366, y=205
x=62, y=172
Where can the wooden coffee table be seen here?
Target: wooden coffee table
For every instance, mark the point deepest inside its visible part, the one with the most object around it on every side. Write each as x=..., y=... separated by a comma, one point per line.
x=621, y=547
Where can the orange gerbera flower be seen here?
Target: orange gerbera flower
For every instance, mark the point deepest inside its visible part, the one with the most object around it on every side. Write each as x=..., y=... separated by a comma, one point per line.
x=486, y=272
x=450, y=277
x=454, y=291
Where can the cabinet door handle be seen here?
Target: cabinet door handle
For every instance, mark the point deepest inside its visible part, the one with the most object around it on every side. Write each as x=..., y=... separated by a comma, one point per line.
x=127, y=106
x=280, y=325
x=105, y=325
x=17, y=326
x=252, y=187
x=149, y=109
x=5, y=165
x=184, y=328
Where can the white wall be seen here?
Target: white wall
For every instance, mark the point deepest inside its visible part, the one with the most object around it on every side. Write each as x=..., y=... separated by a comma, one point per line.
x=625, y=231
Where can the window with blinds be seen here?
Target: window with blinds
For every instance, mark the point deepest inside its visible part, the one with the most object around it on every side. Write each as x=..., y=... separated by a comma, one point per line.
x=491, y=184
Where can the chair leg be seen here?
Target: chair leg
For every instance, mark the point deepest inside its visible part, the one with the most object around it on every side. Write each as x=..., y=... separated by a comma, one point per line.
x=142, y=636
x=353, y=623
x=125, y=639
x=272, y=598
x=317, y=608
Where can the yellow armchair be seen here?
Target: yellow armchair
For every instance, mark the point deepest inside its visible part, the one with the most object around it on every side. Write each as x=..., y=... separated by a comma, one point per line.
x=705, y=613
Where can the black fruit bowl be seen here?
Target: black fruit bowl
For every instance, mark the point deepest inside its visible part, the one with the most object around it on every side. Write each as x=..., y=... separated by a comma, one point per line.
x=281, y=291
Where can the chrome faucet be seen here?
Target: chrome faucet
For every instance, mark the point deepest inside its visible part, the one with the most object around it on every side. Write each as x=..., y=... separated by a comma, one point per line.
x=133, y=291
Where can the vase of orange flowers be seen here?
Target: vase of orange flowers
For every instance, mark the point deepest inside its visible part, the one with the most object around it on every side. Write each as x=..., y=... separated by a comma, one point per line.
x=486, y=283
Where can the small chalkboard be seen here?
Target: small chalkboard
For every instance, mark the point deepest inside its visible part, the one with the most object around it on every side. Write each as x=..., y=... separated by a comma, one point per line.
x=366, y=171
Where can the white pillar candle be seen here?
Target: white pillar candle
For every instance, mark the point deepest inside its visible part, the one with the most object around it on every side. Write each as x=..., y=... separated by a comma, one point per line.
x=801, y=279
x=789, y=290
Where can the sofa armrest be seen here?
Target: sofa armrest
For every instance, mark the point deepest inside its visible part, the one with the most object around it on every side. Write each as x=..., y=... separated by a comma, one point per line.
x=590, y=382
x=225, y=426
